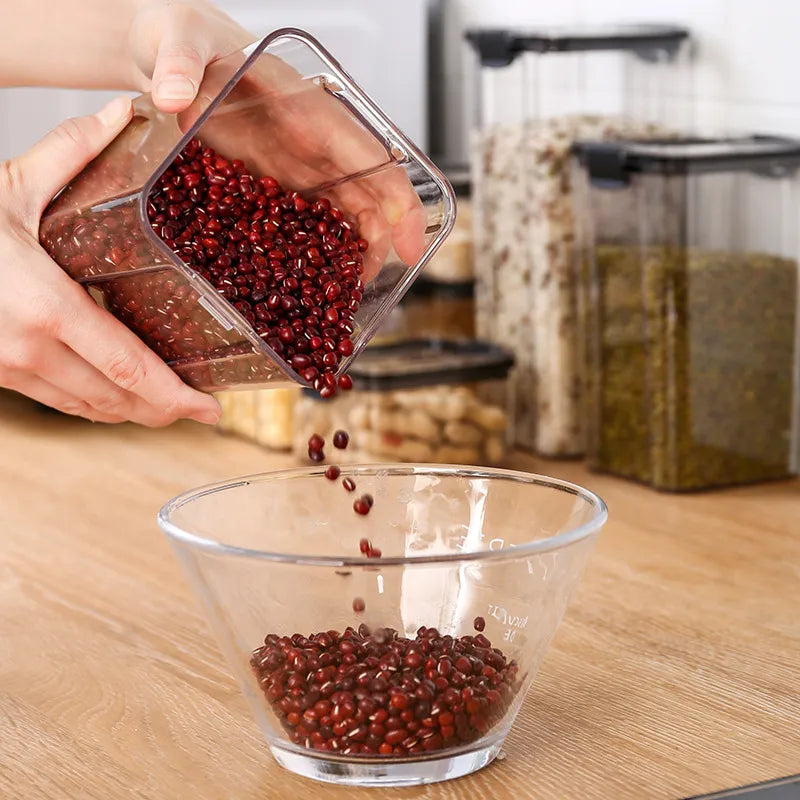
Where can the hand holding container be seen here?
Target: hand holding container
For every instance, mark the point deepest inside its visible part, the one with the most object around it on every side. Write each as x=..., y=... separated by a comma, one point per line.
x=282, y=108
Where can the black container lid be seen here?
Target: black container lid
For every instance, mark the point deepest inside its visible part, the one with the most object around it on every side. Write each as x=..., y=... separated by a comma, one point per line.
x=614, y=162
x=417, y=363
x=460, y=178
x=498, y=47
x=447, y=290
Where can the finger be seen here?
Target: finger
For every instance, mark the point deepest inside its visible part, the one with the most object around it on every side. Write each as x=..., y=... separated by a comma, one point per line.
x=183, y=53
x=401, y=209
x=65, y=369
x=64, y=152
x=127, y=362
x=403, y=212
x=352, y=149
x=44, y=392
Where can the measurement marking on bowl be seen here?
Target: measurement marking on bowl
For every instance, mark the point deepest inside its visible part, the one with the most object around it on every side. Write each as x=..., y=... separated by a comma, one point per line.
x=512, y=622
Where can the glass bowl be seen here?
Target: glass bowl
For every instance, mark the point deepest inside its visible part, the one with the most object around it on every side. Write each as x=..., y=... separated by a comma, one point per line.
x=399, y=641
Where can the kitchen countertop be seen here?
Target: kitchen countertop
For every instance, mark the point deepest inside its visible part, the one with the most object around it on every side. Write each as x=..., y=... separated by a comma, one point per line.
x=675, y=672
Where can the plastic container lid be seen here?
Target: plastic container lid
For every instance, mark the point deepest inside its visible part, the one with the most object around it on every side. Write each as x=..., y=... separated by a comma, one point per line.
x=417, y=363
x=460, y=178
x=445, y=290
x=498, y=47
x=614, y=162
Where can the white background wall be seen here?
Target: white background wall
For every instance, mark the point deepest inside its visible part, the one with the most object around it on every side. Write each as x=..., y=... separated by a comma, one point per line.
x=384, y=50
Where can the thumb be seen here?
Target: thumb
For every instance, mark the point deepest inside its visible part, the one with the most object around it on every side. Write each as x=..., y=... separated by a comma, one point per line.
x=178, y=72
x=65, y=151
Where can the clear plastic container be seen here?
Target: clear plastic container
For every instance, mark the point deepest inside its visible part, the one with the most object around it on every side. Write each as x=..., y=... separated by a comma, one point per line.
x=277, y=555
x=432, y=310
x=540, y=91
x=426, y=401
x=264, y=417
x=287, y=109
x=692, y=312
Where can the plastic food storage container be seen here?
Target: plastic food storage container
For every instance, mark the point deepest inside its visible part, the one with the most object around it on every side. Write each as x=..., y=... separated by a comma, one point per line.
x=539, y=91
x=265, y=417
x=432, y=310
x=692, y=315
x=286, y=109
x=477, y=569
x=428, y=401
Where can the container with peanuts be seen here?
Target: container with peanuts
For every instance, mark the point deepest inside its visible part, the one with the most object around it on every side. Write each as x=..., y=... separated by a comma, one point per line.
x=263, y=416
x=424, y=400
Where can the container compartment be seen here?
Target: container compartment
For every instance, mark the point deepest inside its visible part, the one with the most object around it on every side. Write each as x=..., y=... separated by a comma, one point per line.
x=539, y=92
x=424, y=401
x=272, y=106
x=693, y=313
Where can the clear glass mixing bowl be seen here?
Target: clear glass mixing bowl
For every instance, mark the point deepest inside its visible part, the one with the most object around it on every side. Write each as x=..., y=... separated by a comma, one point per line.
x=276, y=560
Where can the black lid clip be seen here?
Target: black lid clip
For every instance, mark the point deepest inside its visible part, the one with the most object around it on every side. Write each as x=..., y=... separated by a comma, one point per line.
x=605, y=164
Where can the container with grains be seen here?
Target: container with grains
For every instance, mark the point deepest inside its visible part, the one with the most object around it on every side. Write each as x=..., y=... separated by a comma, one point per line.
x=540, y=92
x=693, y=316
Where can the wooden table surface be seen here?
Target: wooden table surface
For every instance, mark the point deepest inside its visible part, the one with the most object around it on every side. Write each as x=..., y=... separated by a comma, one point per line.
x=676, y=670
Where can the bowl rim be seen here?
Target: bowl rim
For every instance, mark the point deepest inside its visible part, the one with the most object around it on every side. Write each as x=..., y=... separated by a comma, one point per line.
x=558, y=541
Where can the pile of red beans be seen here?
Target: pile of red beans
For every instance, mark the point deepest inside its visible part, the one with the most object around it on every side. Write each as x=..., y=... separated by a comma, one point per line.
x=291, y=267
x=381, y=694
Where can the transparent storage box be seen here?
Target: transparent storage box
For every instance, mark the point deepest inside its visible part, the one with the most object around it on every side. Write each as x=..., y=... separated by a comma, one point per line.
x=692, y=313
x=286, y=109
x=538, y=92
x=432, y=310
x=265, y=417
x=420, y=401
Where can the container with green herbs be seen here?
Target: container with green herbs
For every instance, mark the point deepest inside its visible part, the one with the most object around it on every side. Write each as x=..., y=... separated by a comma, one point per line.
x=691, y=311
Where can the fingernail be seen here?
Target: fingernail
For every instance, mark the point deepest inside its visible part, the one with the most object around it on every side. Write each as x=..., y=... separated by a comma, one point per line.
x=114, y=112
x=210, y=414
x=206, y=417
x=393, y=211
x=176, y=87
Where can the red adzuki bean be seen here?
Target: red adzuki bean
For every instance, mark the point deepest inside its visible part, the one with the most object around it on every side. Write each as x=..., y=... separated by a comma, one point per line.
x=333, y=472
x=361, y=506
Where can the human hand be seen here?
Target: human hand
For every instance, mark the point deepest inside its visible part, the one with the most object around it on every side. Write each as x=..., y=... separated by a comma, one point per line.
x=57, y=345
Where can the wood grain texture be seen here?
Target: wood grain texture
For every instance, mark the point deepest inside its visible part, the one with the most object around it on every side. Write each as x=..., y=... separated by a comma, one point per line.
x=676, y=671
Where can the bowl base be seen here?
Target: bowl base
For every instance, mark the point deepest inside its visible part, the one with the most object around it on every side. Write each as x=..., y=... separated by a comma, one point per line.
x=375, y=772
